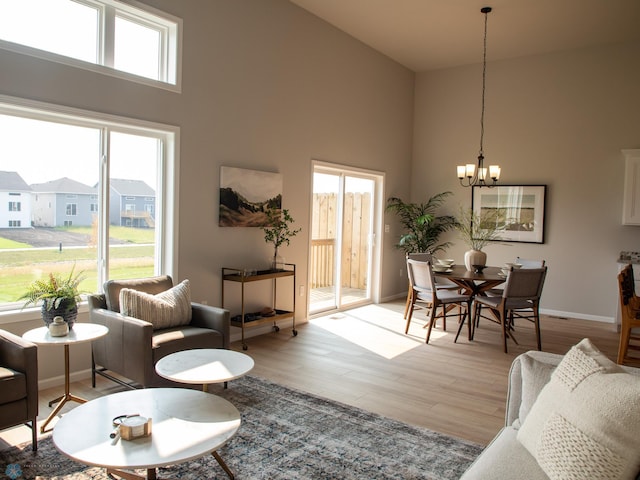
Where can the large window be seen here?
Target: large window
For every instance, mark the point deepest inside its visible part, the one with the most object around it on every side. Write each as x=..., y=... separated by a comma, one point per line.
x=77, y=168
x=129, y=40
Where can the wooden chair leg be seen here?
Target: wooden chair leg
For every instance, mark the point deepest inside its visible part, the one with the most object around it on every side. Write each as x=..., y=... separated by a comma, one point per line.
x=444, y=318
x=503, y=321
x=432, y=320
x=409, y=315
x=409, y=300
x=461, y=322
x=625, y=335
x=537, y=324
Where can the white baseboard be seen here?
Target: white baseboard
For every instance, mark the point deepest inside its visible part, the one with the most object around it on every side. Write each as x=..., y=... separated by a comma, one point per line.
x=553, y=313
x=580, y=316
x=59, y=379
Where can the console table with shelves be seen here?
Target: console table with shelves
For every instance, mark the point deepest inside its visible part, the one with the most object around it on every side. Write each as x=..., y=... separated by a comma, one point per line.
x=249, y=320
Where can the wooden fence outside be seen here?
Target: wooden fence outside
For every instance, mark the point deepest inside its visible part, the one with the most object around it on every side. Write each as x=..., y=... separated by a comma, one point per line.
x=355, y=241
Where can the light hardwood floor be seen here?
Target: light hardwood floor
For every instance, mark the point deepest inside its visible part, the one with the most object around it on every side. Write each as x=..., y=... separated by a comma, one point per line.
x=363, y=358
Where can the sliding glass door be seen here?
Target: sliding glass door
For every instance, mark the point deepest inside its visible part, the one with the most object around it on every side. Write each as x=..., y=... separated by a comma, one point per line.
x=342, y=235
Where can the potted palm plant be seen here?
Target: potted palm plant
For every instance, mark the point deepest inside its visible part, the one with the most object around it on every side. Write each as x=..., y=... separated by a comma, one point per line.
x=278, y=231
x=422, y=226
x=59, y=296
x=477, y=231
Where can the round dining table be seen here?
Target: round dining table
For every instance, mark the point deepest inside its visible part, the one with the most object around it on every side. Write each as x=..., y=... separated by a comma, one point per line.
x=475, y=283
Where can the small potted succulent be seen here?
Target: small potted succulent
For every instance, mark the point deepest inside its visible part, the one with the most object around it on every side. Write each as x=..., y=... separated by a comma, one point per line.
x=278, y=231
x=59, y=296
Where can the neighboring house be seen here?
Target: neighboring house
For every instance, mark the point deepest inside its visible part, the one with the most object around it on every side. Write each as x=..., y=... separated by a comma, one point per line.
x=63, y=203
x=15, y=201
x=132, y=203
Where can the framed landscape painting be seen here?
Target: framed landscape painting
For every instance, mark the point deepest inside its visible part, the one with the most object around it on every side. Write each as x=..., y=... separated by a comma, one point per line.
x=246, y=195
x=518, y=210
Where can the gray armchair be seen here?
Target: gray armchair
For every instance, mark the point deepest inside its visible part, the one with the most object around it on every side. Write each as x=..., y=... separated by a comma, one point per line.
x=132, y=347
x=19, y=380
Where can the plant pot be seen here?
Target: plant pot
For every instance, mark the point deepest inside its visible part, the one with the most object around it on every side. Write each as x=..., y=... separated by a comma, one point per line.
x=277, y=262
x=68, y=313
x=474, y=257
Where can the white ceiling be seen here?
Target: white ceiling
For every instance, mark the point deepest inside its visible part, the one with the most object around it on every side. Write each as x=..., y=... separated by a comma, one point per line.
x=433, y=34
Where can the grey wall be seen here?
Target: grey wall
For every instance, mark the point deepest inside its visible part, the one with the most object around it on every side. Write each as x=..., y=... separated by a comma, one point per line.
x=560, y=120
x=266, y=86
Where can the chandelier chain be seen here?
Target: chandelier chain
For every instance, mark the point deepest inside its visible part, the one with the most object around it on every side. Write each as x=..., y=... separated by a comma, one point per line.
x=484, y=82
x=471, y=175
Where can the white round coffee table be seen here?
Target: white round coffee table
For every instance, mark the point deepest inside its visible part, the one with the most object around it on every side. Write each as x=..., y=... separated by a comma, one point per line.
x=204, y=366
x=81, y=332
x=186, y=424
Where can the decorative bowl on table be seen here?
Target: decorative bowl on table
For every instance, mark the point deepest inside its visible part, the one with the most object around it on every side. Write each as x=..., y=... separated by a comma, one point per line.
x=478, y=268
x=440, y=268
x=448, y=262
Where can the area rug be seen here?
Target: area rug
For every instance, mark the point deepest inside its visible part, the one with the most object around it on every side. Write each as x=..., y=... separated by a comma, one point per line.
x=287, y=434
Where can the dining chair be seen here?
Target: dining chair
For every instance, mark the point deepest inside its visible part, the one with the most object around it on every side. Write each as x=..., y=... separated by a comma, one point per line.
x=424, y=284
x=411, y=296
x=529, y=263
x=520, y=299
x=525, y=263
x=630, y=313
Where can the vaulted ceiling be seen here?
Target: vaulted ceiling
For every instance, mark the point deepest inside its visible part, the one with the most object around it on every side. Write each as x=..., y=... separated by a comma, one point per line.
x=433, y=34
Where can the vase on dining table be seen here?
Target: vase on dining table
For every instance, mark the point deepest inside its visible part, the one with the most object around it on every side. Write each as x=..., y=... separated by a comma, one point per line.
x=474, y=257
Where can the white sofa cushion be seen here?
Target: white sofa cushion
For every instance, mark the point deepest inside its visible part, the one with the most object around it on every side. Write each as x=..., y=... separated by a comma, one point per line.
x=505, y=458
x=171, y=308
x=535, y=376
x=585, y=421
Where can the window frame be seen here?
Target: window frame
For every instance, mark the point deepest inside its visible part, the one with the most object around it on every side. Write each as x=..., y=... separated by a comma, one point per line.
x=169, y=25
x=71, y=209
x=166, y=241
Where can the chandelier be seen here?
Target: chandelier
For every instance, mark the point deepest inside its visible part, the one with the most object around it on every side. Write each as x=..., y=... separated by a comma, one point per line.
x=470, y=174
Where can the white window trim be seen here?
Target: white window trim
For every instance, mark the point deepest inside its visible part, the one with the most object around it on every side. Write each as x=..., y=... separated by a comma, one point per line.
x=167, y=237
x=173, y=49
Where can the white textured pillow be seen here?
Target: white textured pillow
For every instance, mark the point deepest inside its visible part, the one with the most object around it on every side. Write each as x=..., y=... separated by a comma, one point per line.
x=586, y=420
x=167, y=309
x=535, y=375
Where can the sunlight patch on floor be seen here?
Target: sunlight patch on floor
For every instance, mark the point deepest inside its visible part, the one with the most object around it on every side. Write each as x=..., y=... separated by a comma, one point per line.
x=369, y=328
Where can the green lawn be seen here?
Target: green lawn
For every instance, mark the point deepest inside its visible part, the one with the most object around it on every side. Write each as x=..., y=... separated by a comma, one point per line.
x=127, y=234
x=21, y=267
x=6, y=243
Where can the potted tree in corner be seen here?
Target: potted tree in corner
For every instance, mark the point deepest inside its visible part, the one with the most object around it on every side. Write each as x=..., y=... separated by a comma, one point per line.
x=422, y=226
x=59, y=295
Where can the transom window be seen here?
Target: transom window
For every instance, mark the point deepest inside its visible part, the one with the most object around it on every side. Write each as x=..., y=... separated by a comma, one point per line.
x=128, y=40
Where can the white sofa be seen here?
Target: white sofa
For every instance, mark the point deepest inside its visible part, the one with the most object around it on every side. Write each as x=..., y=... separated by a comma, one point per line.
x=505, y=457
